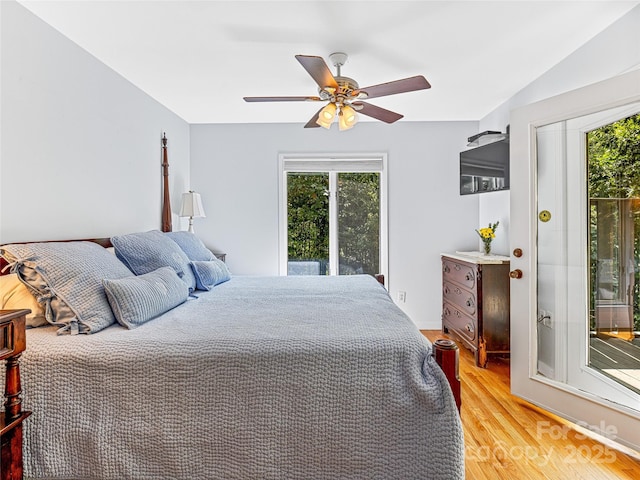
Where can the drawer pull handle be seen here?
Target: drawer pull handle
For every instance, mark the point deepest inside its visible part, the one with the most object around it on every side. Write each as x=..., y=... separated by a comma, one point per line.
x=457, y=267
x=458, y=291
x=446, y=269
x=468, y=277
x=469, y=327
x=469, y=303
x=446, y=290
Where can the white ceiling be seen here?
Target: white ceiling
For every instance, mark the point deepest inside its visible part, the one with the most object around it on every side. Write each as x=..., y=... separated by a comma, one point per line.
x=199, y=58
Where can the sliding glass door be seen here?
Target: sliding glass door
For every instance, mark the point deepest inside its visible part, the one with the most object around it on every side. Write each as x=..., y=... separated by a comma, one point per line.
x=335, y=222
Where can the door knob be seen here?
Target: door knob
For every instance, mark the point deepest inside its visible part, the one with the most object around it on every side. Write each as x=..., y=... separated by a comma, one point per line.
x=517, y=273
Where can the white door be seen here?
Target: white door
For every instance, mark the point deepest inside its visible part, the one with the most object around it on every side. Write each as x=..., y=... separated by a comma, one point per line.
x=550, y=222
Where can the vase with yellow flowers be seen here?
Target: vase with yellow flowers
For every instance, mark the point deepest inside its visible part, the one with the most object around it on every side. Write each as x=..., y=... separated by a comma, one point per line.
x=487, y=234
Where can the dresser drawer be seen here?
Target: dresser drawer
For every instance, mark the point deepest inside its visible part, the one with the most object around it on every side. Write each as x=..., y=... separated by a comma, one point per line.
x=460, y=297
x=459, y=273
x=455, y=319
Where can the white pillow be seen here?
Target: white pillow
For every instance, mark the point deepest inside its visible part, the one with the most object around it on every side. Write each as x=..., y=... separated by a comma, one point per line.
x=14, y=295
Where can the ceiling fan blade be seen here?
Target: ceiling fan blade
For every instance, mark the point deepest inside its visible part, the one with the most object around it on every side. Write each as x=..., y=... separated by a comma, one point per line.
x=379, y=113
x=317, y=68
x=399, y=86
x=281, y=99
x=313, y=122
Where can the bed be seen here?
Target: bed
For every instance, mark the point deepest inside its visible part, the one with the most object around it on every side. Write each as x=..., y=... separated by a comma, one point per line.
x=200, y=374
x=260, y=377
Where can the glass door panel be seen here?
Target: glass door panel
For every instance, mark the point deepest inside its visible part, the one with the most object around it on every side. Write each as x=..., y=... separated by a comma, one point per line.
x=613, y=155
x=358, y=223
x=308, y=223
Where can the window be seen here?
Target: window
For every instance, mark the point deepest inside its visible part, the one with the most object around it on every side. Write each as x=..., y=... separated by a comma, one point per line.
x=333, y=215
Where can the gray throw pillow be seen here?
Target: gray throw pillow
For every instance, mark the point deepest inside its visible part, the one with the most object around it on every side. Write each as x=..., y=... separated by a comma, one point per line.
x=211, y=273
x=145, y=252
x=191, y=245
x=135, y=300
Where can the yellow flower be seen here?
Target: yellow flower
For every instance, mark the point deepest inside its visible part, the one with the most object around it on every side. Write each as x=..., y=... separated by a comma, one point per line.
x=488, y=233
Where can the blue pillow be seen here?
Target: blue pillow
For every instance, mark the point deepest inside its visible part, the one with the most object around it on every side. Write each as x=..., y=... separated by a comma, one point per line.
x=191, y=245
x=66, y=277
x=209, y=274
x=145, y=252
x=135, y=300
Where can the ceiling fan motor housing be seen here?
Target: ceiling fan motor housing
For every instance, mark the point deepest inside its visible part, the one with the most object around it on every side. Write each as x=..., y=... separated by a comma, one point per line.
x=345, y=92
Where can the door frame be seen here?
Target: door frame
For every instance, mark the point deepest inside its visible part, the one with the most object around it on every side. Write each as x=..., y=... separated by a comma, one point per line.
x=336, y=159
x=599, y=415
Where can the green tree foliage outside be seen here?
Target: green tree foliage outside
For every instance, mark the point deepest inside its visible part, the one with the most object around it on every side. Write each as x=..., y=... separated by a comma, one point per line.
x=358, y=220
x=308, y=217
x=359, y=223
x=614, y=160
x=614, y=173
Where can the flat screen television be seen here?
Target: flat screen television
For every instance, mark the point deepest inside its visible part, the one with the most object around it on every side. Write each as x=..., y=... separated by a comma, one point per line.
x=485, y=168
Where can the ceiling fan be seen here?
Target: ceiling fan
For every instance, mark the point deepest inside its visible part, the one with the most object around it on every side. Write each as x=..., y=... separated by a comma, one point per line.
x=344, y=95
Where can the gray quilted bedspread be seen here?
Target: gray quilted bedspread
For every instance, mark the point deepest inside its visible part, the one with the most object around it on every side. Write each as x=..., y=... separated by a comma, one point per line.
x=261, y=378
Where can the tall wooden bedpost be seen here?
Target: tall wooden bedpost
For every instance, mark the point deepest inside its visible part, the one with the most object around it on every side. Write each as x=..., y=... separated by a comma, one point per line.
x=446, y=353
x=166, y=202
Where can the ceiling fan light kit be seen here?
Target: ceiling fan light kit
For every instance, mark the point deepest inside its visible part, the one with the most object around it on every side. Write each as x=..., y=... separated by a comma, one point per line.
x=344, y=94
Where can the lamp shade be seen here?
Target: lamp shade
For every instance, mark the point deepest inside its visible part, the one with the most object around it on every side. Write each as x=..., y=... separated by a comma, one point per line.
x=192, y=205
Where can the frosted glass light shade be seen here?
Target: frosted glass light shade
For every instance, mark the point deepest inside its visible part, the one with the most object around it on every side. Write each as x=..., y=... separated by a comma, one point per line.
x=347, y=117
x=326, y=115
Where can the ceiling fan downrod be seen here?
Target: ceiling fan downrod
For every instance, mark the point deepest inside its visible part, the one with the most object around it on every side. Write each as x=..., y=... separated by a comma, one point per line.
x=338, y=59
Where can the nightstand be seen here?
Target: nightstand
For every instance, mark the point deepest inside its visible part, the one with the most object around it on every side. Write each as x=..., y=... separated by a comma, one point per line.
x=12, y=344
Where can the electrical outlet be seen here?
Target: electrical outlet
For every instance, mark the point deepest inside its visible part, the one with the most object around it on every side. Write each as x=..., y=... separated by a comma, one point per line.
x=402, y=296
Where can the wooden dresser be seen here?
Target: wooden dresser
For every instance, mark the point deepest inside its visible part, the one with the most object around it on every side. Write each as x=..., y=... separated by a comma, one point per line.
x=475, y=303
x=12, y=344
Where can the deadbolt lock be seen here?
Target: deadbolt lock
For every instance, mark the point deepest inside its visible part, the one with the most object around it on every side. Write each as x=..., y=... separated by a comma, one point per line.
x=544, y=215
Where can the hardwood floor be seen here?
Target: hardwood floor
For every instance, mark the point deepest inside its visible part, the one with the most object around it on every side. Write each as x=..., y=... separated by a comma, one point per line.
x=508, y=438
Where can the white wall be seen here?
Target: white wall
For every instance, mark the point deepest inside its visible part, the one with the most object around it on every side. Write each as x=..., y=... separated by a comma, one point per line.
x=613, y=51
x=80, y=150
x=235, y=168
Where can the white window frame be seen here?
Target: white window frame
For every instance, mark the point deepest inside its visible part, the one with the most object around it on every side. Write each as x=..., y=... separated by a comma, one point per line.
x=332, y=162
